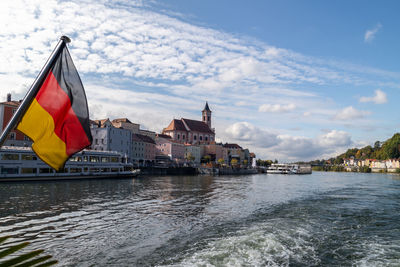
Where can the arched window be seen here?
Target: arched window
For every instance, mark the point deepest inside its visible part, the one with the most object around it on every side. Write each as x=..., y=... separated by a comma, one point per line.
x=195, y=137
x=206, y=138
x=178, y=136
x=201, y=138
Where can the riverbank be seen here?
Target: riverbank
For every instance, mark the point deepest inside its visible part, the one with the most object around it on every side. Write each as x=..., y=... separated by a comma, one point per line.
x=360, y=169
x=195, y=171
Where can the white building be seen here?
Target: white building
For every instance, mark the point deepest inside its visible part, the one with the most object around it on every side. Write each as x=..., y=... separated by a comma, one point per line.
x=108, y=138
x=194, y=151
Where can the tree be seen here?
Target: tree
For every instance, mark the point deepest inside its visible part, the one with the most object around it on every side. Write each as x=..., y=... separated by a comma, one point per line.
x=390, y=149
x=234, y=162
x=377, y=145
x=190, y=157
x=207, y=158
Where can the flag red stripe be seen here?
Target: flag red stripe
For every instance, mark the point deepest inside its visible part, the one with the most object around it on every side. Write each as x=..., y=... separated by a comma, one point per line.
x=67, y=126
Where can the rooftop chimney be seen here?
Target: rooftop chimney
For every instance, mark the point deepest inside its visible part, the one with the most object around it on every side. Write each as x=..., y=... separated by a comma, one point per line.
x=8, y=97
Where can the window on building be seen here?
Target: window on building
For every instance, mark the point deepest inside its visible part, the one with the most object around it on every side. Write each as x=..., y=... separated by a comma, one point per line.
x=10, y=157
x=206, y=138
x=201, y=138
x=28, y=170
x=28, y=157
x=12, y=136
x=102, y=141
x=178, y=136
x=94, y=159
x=195, y=137
x=26, y=138
x=96, y=141
x=183, y=136
x=14, y=110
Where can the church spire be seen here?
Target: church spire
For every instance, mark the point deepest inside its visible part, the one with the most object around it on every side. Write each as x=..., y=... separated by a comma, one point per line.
x=206, y=108
x=206, y=115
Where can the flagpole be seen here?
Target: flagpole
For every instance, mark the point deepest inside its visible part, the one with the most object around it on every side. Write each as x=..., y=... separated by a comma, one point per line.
x=33, y=90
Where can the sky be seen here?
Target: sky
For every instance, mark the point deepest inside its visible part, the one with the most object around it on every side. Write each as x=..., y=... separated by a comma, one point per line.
x=290, y=80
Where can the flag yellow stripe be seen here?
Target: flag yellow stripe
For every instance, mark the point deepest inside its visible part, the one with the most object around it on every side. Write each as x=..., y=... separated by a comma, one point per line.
x=38, y=124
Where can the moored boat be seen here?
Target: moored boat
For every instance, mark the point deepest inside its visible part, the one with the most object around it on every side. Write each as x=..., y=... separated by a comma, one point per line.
x=22, y=164
x=289, y=169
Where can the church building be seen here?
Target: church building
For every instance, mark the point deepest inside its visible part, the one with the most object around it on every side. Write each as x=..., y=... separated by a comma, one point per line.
x=192, y=131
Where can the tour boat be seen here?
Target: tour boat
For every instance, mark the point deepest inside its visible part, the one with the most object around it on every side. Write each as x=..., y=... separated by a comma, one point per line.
x=22, y=164
x=289, y=169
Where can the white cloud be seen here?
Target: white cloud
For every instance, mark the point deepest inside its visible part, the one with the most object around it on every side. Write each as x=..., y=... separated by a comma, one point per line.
x=378, y=98
x=294, y=148
x=277, y=108
x=250, y=134
x=350, y=113
x=303, y=148
x=370, y=34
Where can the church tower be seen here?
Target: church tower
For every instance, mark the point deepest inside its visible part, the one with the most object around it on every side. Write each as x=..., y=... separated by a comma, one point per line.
x=207, y=115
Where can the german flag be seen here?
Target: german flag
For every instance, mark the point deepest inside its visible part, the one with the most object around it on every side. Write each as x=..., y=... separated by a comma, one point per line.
x=57, y=119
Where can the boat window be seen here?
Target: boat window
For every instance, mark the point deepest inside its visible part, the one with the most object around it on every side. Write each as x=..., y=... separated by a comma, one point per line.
x=114, y=159
x=85, y=158
x=28, y=157
x=114, y=169
x=105, y=170
x=94, y=159
x=9, y=170
x=105, y=159
x=85, y=169
x=10, y=157
x=76, y=158
x=94, y=169
x=28, y=170
x=45, y=170
x=75, y=170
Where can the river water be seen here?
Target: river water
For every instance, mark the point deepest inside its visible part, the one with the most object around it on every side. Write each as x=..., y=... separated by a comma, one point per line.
x=323, y=219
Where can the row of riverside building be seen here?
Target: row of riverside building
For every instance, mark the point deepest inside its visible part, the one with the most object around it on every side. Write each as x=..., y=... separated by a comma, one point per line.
x=182, y=142
x=389, y=165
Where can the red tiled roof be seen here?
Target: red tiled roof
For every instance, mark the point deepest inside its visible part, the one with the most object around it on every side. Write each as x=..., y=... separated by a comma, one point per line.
x=101, y=123
x=142, y=138
x=232, y=146
x=176, y=125
x=197, y=126
x=11, y=103
x=165, y=136
x=122, y=120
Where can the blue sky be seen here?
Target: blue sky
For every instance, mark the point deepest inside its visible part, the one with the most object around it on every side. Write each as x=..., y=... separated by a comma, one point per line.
x=292, y=80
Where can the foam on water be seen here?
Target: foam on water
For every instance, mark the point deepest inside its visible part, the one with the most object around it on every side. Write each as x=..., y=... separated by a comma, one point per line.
x=271, y=243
